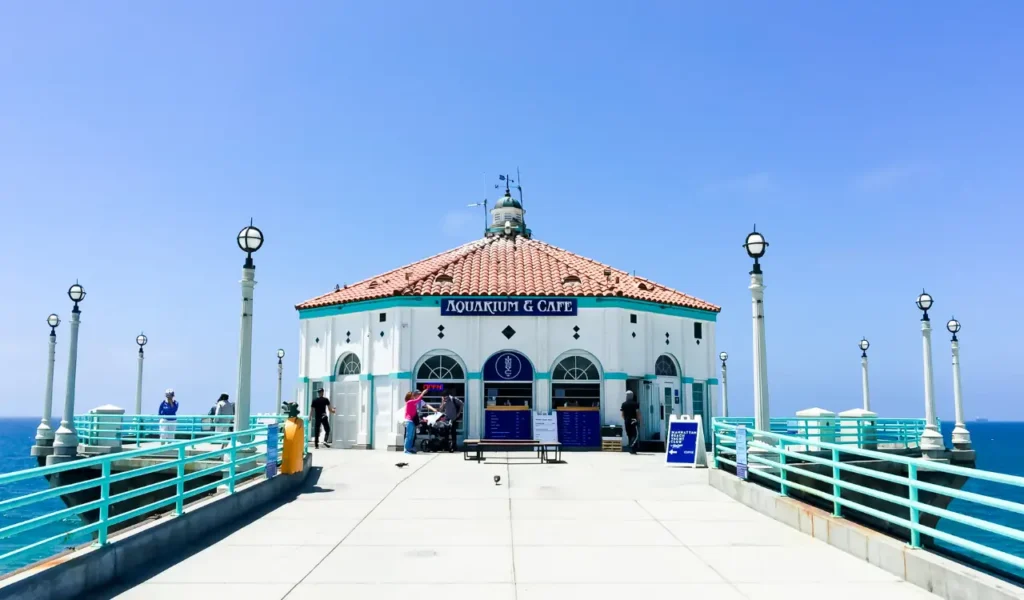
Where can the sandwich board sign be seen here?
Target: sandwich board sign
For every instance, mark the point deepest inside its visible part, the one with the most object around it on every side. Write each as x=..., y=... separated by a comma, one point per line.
x=741, y=452
x=545, y=427
x=685, y=444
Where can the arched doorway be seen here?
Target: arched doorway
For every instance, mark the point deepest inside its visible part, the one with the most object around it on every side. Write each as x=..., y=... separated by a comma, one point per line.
x=345, y=398
x=508, y=396
x=663, y=398
x=443, y=373
x=576, y=389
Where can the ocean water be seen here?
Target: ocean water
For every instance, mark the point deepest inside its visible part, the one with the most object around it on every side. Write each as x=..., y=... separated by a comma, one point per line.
x=997, y=444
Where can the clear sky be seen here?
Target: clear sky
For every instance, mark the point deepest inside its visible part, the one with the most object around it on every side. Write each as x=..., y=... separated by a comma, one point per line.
x=878, y=147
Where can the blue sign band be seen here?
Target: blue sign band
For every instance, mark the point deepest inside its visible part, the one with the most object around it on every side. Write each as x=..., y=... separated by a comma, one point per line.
x=508, y=307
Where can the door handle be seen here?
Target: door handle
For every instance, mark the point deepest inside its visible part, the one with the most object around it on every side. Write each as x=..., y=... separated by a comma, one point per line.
x=662, y=412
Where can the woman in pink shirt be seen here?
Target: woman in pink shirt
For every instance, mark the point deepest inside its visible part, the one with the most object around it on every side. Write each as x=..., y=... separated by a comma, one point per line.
x=413, y=402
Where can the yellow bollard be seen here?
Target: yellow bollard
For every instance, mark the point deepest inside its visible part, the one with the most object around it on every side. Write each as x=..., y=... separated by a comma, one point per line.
x=291, y=456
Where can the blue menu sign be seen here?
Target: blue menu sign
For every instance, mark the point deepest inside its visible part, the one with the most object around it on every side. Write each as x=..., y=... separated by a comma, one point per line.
x=579, y=428
x=741, y=452
x=681, y=447
x=272, y=440
x=508, y=424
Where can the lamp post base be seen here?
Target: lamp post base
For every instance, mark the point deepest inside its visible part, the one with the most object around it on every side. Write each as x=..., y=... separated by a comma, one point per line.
x=65, y=443
x=44, y=440
x=932, y=446
x=961, y=437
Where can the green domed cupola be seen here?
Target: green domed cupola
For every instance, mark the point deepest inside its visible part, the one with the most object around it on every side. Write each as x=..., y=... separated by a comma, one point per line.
x=507, y=201
x=507, y=217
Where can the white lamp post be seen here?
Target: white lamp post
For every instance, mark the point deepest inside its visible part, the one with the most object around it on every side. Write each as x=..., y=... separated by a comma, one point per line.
x=864, y=344
x=250, y=239
x=931, y=443
x=280, y=374
x=724, y=356
x=44, y=433
x=65, y=443
x=961, y=437
x=141, y=341
x=756, y=246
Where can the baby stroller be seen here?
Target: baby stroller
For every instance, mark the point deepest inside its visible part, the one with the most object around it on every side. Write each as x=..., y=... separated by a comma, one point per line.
x=437, y=432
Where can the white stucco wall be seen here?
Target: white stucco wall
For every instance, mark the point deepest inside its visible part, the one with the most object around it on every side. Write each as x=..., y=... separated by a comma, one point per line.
x=390, y=350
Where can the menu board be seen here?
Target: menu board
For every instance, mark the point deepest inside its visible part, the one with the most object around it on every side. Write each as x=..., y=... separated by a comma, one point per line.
x=579, y=427
x=545, y=427
x=507, y=423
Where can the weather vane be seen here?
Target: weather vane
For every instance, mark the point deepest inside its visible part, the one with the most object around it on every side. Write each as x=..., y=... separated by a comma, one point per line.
x=508, y=181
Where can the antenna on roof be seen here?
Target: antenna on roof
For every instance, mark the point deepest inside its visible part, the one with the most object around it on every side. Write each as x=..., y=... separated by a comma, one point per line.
x=519, y=186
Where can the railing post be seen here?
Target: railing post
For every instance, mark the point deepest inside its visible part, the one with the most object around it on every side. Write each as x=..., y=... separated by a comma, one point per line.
x=714, y=443
x=179, y=505
x=915, y=514
x=837, y=509
x=104, y=503
x=231, y=465
x=783, y=488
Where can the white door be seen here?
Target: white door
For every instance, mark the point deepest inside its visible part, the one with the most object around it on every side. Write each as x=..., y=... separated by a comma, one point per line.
x=670, y=400
x=345, y=422
x=383, y=415
x=651, y=412
x=314, y=387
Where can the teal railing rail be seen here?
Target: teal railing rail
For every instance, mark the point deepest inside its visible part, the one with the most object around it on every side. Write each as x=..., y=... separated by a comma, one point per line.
x=843, y=430
x=782, y=456
x=101, y=430
x=31, y=526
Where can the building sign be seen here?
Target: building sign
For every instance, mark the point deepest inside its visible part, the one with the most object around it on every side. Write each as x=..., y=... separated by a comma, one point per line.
x=684, y=441
x=741, y=452
x=508, y=307
x=545, y=427
x=508, y=366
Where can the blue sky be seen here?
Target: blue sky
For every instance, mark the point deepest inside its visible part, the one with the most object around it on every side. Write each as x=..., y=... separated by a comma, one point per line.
x=877, y=147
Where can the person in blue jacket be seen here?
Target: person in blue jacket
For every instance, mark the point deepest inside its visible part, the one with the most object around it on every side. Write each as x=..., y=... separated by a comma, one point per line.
x=168, y=409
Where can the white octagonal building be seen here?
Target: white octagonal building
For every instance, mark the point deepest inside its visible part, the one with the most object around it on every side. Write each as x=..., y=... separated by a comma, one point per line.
x=513, y=326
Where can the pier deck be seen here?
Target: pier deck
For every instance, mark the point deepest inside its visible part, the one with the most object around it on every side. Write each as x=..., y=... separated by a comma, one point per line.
x=602, y=525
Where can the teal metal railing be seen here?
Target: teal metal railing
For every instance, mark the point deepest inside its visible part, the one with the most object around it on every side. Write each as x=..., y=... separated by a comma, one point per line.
x=777, y=457
x=216, y=460
x=843, y=430
x=102, y=430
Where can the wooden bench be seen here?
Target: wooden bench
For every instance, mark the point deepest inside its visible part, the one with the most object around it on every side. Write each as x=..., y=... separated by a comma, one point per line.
x=474, y=449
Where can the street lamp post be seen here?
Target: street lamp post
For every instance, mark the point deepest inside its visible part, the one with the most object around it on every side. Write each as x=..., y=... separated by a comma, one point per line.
x=724, y=356
x=44, y=433
x=756, y=246
x=141, y=340
x=864, y=344
x=931, y=443
x=250, y=239
x=65, y=443
x=961, y=437
x=280, y=374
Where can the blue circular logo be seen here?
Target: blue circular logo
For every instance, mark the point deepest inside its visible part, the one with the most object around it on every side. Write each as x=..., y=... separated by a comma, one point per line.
x=508, y=366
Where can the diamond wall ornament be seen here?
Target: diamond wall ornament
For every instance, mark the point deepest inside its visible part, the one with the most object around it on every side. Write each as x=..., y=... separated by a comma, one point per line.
x=316, y=341
x=576, y=328
x=634, y=334
x=440, y=335
x=348, y=337
x=575, y=336
x=508, y=332
x=382, y=334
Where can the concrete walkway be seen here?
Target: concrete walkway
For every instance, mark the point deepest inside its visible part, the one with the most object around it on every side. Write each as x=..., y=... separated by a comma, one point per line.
x=603, y=526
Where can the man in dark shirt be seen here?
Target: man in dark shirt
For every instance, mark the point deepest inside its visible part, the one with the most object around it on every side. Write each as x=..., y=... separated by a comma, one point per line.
x=631, y=417
x=321, y=405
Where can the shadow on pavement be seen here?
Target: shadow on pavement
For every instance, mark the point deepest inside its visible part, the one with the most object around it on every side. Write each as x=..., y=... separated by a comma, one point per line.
x=183, y=553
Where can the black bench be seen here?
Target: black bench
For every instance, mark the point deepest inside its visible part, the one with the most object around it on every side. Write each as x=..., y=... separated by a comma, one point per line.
x=474, y=449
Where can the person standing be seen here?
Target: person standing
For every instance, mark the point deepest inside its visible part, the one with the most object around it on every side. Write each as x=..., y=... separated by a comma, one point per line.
x=413, y=403
x=223, y=413
x=452, y=409
x=168, y=410
x=631, y=417
x=321, y=407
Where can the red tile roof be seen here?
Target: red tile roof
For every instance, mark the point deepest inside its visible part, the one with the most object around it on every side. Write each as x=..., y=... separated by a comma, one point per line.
x=503, y=266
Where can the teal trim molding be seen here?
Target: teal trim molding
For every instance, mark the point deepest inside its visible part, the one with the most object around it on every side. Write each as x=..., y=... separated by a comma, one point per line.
x=366, y=377
x=474, y=375
x=650, y=377
x=616, y=375
x=402, y=375
x=687, y=379
x=538, y=375
x=303, y=379
x=581, y=302
x=712, y=381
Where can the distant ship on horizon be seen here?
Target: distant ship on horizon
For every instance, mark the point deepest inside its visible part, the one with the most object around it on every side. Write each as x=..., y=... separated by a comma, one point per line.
x=981, y=420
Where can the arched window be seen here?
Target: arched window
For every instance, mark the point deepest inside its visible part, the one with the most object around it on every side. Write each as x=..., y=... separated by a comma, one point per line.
x=575, y=368
x=349, y=365
x=665, y=367
x=440, y=368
